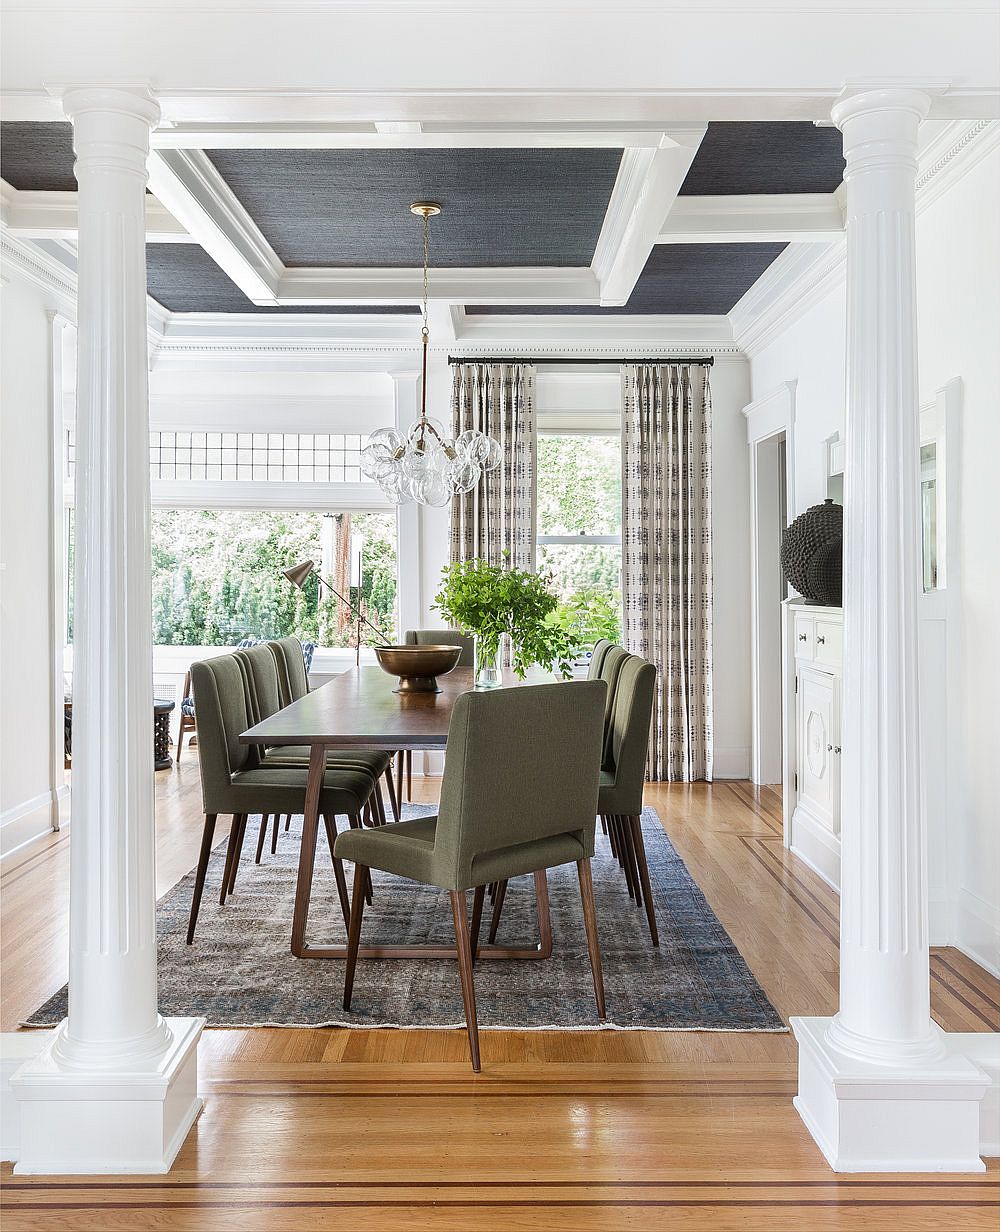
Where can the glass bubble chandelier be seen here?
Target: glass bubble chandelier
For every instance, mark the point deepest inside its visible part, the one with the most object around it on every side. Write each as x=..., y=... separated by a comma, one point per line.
x=423, y=464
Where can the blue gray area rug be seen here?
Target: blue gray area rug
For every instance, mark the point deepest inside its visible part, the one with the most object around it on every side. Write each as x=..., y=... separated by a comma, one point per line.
x=240, y=973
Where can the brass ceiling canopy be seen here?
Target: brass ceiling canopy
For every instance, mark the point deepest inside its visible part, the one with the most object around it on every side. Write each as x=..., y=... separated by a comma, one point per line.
x=425, y=209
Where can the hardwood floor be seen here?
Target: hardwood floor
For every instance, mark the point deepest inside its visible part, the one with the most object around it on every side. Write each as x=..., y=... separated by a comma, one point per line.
x=337, y=1129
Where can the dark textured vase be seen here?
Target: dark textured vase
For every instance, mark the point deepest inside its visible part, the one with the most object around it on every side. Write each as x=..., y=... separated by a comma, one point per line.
x=811, y=553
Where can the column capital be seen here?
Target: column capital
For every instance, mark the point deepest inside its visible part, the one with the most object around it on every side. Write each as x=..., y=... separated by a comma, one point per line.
x=134, y=101
x=871, y=100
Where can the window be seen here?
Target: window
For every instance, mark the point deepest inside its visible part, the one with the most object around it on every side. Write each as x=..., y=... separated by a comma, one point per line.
x=579, y=537
x=240, y=457
x=217, y=575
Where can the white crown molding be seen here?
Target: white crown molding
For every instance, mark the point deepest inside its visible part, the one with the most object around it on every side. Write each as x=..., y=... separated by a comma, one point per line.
x=39, y=267
x=797, y=279
x=805, y=273
x=190, y=187
x=401, y=135
x=800, y=217
x=950, y=153
x=646, y=186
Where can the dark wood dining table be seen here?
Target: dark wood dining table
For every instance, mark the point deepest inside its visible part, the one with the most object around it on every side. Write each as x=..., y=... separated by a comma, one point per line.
x=360, y=709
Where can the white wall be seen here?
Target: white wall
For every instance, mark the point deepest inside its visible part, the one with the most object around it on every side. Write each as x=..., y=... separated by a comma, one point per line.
x=27, y=784
x=958, y=305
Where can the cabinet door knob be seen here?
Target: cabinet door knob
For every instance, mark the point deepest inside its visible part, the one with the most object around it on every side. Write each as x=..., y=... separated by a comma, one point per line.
x=836, y=748
x=802, y=637
x=829, y=748
x=820, y=641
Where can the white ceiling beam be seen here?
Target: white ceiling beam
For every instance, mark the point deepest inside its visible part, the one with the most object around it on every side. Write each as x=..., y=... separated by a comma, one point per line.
x=403, y=135
x=500, y=285
x=647, y=185
x=803, y=217
x=190, y=187
x=53, y=215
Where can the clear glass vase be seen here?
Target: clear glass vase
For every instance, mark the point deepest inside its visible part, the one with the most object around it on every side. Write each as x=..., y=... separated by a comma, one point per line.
x=488, y=666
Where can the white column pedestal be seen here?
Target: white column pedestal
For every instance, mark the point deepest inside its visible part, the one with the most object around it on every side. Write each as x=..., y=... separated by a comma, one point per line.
x=114, y=1090
x=873, y=1117
x=117, y=1121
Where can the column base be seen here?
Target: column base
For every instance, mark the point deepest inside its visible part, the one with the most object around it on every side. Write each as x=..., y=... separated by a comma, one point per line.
x=109, y=1122
x=868, y=1117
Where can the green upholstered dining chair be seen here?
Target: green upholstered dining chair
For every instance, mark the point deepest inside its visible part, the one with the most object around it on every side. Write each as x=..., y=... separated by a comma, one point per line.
x=262, y=683
x=519, y=795
x=293, y=683
x=623, y=775
x=431, y=637
x=235, y=780
x=601, y=648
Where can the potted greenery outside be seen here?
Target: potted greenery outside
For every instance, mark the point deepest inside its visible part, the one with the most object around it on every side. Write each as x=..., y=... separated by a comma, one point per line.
x=492, y=603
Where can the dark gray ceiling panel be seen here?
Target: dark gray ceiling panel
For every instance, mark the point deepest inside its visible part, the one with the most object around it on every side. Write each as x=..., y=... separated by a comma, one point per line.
x=737, y=159
x=351, y=207
x=37, y=157
x=683, y=279
x=184, y=278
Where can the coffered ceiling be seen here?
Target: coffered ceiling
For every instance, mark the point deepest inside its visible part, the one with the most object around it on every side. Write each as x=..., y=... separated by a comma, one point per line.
x=540, y=221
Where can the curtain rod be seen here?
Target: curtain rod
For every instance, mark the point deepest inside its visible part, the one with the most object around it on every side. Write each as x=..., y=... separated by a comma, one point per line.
x=705, y=360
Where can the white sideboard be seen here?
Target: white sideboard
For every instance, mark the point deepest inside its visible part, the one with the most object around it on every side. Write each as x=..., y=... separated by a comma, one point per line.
x=813, y=653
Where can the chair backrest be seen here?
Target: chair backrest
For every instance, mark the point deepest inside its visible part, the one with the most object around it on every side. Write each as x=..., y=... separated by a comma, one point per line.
x=628, y=736
x=444, y=637
x=614, y=660
x=262, y=680
x=292, y=678
x=523, y=764
x=224, y=712
x=601, y=648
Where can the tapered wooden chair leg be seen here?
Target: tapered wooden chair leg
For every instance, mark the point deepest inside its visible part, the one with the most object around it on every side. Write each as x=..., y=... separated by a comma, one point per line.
x=235, y=839
x=338, y=867
x=462, y=945
x=238, y=853
x=274, y=834
x=497, y=910
x=393, y=798
x=631, y=861
x=477, y=919
x=593, y=942
x=356, y=823
x=409, y=775
x=647, y=893
x=288, y=822
x=380, y=817
x=354, y=931
x=207, y=834
x=261, y=836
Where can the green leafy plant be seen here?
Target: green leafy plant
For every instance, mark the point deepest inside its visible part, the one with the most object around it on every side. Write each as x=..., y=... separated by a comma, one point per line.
x=490, y=601
x=590, y=613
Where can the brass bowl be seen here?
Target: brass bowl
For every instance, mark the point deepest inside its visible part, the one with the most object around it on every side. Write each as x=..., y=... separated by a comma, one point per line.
x=417, y=666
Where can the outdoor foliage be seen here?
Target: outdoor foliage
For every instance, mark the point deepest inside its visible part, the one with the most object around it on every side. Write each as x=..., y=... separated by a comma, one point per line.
x=217, y=577
x=491, y=601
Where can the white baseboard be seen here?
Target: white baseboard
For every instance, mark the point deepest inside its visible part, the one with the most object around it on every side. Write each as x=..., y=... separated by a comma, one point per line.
x=731, y=763
x=32, y=819
x=977, y=930
x=813, y=843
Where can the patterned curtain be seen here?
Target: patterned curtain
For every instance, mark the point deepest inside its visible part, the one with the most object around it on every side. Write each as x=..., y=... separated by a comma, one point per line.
x=498, y=515
x=667, y=556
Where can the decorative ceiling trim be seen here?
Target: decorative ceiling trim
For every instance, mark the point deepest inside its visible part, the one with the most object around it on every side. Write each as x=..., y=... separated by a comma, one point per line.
x=798, y=217
x=647, y=185
x=401, y=135
x=487, y=284
x=957, y=148
x=199, y=198
x=53, y=215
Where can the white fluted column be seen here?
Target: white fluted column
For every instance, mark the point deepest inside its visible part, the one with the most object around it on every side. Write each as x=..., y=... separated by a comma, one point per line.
x=878, y=1086
x=114, y=1040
